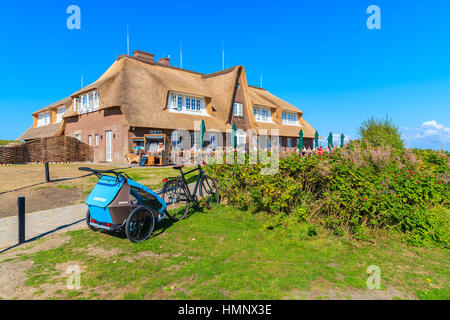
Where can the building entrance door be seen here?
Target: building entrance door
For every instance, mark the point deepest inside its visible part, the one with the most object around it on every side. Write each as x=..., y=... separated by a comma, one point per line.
x=108, y=142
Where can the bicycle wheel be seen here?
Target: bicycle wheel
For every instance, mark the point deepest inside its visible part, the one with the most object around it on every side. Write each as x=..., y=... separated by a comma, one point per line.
x=140, y=224
x=209, y=192
x=176, y=196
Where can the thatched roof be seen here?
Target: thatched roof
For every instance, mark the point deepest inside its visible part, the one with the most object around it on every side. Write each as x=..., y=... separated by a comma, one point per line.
x=52, y=130
x=141, y=89
x=67, y=102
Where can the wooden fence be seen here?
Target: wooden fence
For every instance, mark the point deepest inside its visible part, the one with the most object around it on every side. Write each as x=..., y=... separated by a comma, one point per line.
x=54, y=149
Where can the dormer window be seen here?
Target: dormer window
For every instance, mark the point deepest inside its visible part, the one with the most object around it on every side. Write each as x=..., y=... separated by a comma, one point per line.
x=88, y=102
x=289, y=118
x=238, y=110
x=44, y=119
x=186, y=104
x=262, y=114
x=59, y=113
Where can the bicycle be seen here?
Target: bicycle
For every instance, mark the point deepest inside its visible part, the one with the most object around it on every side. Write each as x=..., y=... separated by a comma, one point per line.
x=178, y=196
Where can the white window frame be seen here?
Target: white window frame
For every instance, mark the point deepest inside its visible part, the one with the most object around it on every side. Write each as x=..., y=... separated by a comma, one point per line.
x=88, y=102
x=97, y=140
x=187, y=104
x=212, y=137
x=44, y=119
x=177, y=140
x=238, y=109
x=90, y=140
x=96, y=100
x=78, y=136
x=59, y=113
x=262, y=114
x=289, y=118
x=241, y=138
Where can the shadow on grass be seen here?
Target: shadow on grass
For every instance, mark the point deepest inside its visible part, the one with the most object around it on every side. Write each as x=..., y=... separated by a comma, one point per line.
x=162, y=226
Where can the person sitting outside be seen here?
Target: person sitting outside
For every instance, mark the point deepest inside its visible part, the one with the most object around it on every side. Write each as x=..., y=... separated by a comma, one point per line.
x=160, y=148
x=136, y=149
x=320, y=151
x=134, y=156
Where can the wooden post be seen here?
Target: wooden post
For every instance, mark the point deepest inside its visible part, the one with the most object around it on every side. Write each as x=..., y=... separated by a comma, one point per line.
x=21, y=214
x=47, y=172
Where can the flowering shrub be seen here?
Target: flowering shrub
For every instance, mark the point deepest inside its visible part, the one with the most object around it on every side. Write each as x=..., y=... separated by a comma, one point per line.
x=357, y=188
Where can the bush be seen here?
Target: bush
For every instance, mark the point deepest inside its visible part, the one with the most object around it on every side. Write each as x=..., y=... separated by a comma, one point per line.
x=358, y=188
x=378, y=132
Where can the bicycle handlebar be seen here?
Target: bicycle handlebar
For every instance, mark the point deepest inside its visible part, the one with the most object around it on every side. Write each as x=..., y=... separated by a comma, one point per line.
x=99, y=173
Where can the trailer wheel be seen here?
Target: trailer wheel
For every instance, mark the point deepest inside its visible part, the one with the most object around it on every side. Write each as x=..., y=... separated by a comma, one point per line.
x=140, y=224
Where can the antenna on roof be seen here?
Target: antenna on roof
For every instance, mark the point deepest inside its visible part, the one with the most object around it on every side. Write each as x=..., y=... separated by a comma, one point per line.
x=223, y=55
x=261, y=78
x=181, y=54
x=128, y=40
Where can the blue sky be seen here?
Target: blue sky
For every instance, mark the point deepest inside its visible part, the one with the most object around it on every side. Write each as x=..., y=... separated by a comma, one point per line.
x=318, y=55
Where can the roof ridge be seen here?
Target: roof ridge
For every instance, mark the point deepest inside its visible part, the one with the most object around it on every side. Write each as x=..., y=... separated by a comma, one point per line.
x=218, y=73
x=255, y=87
x=158, y=64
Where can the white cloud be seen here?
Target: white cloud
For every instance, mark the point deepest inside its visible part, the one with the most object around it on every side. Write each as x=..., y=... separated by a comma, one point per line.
x=434, y=131
x=430, y=134
x=433, y=124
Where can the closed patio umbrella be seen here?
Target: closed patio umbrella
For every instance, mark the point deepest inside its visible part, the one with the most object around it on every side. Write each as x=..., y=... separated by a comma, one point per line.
x=317, y=139
x=202, y=134
x=300, y=144
x=330, y=141
x=234, y=136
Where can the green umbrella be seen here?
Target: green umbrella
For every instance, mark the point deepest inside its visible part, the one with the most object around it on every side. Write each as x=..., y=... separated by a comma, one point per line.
x=330, y=141
x=342, y=140
x=234, y=136
x=300, y=140
x=317, y=139
x=202, y=134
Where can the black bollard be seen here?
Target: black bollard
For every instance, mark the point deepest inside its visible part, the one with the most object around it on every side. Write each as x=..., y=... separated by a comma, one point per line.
x=21, y=210
x=47, y=172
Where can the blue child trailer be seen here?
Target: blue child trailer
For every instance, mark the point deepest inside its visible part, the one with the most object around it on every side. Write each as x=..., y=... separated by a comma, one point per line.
x=119, y=204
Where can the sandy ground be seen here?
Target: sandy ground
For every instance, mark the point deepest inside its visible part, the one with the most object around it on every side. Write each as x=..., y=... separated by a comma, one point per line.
x=38, y=199
x=29, y=181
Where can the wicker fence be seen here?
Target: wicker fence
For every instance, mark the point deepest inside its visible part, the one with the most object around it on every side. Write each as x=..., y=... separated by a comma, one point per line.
x=54, y=149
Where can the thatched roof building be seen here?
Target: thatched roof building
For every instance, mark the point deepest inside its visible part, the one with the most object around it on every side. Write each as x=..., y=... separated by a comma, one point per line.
x=137, y=94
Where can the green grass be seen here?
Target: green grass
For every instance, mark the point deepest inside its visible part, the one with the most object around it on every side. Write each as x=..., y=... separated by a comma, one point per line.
x=228, y=254
x=5, y=142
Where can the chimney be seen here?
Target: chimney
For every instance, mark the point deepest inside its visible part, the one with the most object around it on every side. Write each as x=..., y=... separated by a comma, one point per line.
x=164, y=61
x=145, y=56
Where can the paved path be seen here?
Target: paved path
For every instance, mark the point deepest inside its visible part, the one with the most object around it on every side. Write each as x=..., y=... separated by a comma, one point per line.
x=38, y=224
